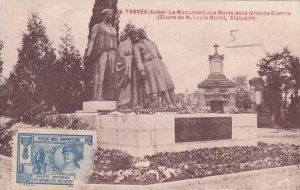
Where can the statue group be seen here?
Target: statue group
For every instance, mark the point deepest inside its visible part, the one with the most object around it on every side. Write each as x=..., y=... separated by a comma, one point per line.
x=128, y=73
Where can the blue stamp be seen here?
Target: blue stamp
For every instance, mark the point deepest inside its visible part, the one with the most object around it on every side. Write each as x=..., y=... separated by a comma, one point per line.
x=51, y=158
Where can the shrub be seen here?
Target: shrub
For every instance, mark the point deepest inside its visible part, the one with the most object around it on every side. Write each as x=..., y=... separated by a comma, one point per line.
x=113, y=166
x=37, y=114
x=114, y=160
x=47, y=116
x=40, y=115
x=5, y=139
x=7, y=131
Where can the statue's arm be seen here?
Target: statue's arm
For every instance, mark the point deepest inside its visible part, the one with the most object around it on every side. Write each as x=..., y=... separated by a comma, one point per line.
x=124, y=54
x=158, y=53
x=128, y=65
x=128, y=55
x=126, y=58
x=92, y=40
x=121, y=52
x=138, y=59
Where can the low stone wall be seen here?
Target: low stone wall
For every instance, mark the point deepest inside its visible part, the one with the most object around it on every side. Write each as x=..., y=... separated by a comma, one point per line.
x=147, y=134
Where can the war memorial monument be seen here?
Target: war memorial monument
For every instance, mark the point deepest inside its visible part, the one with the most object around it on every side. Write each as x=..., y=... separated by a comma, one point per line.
x=167, y=130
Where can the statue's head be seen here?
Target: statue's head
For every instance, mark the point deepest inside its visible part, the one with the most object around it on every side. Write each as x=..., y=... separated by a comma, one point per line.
x=108, y=15
x=134, y=35
x=142, y=33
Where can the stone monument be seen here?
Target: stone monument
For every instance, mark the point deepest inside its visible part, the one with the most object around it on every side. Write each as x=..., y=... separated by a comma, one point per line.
x=217, y=93
x=256, y=88
x=147, y=134
x=102, y=53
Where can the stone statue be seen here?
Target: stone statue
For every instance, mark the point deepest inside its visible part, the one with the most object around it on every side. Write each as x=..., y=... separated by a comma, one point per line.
x=129, y=82
x=155, y=74
x=102, y=53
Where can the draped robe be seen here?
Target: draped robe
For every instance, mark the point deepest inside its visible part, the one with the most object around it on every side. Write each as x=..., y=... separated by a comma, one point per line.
x=149, y=59
x=128, y=80
x=102, y=50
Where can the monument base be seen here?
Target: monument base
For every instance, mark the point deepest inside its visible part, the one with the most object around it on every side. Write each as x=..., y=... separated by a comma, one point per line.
x=98, y=106
x=146, y=134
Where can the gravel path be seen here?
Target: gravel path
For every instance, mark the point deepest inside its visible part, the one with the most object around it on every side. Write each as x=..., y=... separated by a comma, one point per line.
x=291, y=136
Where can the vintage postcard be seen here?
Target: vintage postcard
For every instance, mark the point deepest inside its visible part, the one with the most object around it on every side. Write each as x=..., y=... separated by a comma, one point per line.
x=149, y=94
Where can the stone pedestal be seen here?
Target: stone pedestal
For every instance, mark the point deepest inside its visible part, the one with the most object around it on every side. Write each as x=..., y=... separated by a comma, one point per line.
x=145, y=134
x=96, y=106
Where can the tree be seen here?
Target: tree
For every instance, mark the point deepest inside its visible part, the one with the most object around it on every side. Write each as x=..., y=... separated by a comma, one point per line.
x=97, y=17
x=274, y=70
x=243, y=95
x=2, y=83
x=243, y=99
x=294, y=70
x=2, y=104
x=29, y=82
x=294, y=108
x=240, y=82
x=257, y=82
x=1, y=63
x=67, y=93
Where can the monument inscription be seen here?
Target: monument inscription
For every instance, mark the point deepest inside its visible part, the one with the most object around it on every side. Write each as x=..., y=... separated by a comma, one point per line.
x=203, y=129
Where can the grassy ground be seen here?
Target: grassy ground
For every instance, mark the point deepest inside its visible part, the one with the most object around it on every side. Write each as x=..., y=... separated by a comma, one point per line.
x=289, y=136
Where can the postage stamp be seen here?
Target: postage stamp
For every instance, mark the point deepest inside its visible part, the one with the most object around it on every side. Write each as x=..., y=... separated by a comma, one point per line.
x=52, y=157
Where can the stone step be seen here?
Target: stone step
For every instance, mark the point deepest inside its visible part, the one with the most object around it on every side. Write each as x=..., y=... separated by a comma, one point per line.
x=95, y=106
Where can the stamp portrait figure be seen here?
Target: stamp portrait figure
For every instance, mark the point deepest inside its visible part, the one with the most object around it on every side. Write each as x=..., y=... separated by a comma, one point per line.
x=102, y=53
x=71, y=157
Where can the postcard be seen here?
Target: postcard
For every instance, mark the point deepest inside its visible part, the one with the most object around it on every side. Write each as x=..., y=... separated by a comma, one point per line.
x=149, y=94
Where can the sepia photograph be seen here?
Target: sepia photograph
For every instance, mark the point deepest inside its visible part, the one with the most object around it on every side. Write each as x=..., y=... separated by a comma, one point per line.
x=150, y=94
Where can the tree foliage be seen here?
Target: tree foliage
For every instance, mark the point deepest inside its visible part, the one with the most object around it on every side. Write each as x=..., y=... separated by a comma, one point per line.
x=29, y=82
x=67, y=75
x=294, y=69
x=39, y=78
x=281, y=74
x=257, y=82
x=240, y=82
x=2, y=104
x=97, y=17
x=1, y=62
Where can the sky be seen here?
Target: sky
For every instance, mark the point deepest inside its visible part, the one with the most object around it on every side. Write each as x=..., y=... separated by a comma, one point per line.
x=184, y=44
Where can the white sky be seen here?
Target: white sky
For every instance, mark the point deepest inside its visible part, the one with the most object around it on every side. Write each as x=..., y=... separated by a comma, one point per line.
x=184, y=45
